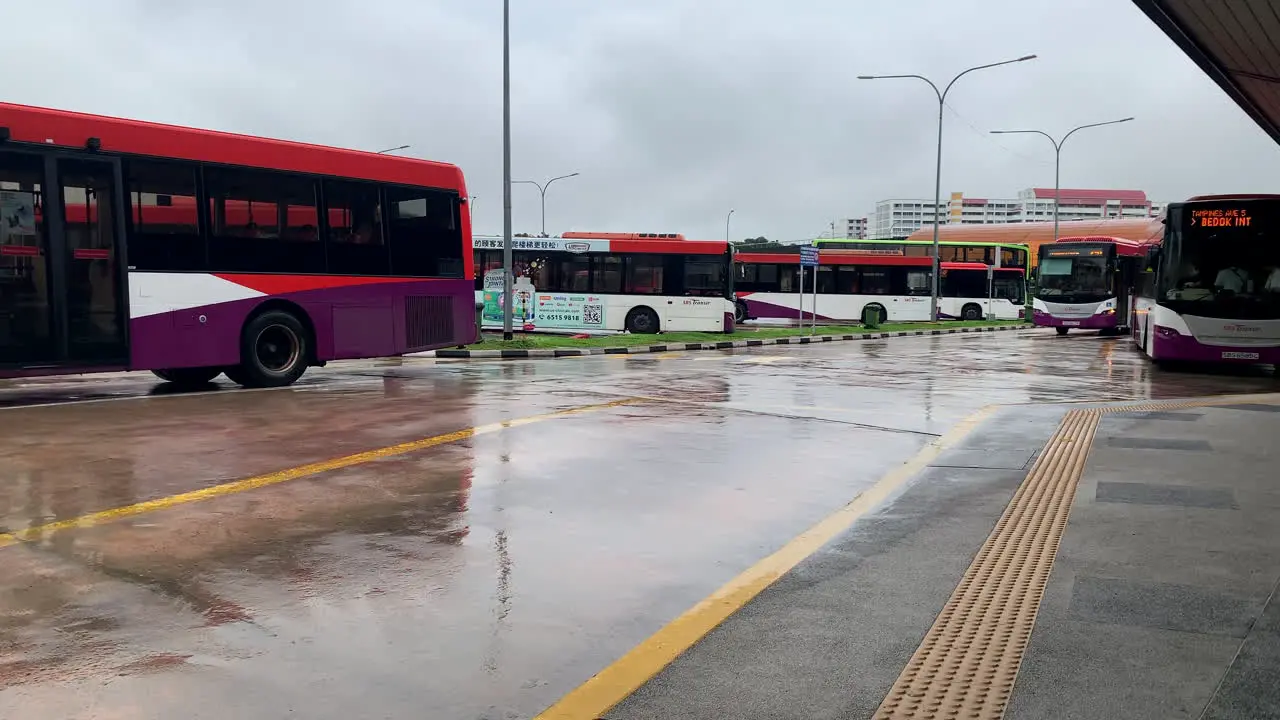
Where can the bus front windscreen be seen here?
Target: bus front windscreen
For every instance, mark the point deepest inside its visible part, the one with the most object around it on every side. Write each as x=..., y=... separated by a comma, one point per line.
x=1074, y=278
x=1222, y=260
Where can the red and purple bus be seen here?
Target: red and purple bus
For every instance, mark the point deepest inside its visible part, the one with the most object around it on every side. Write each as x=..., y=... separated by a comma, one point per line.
x=1209, y=291
x=850, y=286
x=194, y=253
x=1086, y=282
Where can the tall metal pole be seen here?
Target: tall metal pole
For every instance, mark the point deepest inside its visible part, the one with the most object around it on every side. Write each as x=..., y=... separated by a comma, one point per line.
x=507, y=278
x=726, y=225
x=1057, y=158
x=1057, y=186
x=937, y=181
x=937, y=201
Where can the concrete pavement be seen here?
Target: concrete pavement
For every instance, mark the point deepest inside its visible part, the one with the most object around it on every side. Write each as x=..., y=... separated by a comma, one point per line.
x=422, y=537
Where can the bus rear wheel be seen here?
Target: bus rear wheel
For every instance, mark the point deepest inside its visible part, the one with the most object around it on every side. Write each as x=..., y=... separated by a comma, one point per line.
x=972, y=311
x=1061, y=330
x=642, y=321
x=740, y=312
x=188, y=376
x=274, y=350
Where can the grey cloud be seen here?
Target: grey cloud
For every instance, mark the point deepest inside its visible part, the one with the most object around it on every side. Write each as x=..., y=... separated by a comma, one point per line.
x=674, y=111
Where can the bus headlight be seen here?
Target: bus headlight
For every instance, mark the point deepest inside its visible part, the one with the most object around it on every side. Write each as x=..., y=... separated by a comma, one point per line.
x=1108, y=311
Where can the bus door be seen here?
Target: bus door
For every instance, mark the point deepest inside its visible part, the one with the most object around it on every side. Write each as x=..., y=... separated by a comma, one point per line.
x=1124, y=277
x=61, y=282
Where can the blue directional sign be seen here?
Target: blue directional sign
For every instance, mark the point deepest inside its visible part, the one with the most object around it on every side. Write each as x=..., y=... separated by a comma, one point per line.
x=808, y=256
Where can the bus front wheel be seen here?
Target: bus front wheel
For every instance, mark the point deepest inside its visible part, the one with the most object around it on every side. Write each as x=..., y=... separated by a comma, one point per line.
x=740, y=312
x=274, y=349
x=1061, y=330
x=642, y=321
x=972, y=311
x=188, y=376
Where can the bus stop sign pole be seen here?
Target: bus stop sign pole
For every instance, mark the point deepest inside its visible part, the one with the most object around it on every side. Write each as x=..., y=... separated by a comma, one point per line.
x=809, y=258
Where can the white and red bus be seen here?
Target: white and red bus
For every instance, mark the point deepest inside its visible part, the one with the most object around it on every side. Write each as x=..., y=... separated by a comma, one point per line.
x=129, y=245
x=1209, y=291
x=1086, y=282
x=896, y=288
x=611, y=284
x=974, y=290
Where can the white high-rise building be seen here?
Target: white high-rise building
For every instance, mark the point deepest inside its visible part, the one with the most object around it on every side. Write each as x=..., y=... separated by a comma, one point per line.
x=855, y=228
x=898, y=218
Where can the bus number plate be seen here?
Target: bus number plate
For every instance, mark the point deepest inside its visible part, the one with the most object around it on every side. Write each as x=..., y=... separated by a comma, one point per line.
x=1070, y=323
x=1240, y=356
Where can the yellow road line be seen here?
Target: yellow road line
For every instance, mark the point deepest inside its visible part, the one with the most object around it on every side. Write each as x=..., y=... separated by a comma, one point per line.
x=610, y=686
x=294, y=473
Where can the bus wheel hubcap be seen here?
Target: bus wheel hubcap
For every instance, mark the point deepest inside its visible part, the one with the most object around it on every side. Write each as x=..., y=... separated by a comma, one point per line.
x=278, y=348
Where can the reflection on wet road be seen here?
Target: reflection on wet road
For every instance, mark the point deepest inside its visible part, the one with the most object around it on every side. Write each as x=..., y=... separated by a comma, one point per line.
x=481, y=575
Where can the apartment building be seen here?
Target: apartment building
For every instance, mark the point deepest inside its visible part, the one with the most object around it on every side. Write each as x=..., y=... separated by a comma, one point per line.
x=896, y=218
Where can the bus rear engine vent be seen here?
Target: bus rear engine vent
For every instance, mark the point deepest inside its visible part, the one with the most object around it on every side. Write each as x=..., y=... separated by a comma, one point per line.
x=428, y=321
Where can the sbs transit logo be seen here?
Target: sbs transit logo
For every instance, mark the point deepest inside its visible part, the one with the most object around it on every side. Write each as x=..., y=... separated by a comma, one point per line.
x=577, y=247
x=1242, y=329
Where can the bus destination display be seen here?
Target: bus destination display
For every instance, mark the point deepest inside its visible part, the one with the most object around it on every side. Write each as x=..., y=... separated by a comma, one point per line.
x=1221, y=217
x=1075, y=253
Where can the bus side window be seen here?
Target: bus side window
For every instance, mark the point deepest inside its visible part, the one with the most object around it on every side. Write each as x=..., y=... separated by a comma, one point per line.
x=423, y=232
x=251, y=212
x=163, y=230
x=606, y=274
x=767, y=278
x=847, y=280
x=917, y=282
x=644, y=274
x=356, y=245
x=875, y=282
x=703, y=275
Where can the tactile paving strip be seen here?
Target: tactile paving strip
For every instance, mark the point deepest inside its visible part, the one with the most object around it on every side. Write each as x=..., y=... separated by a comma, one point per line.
x=968, y=662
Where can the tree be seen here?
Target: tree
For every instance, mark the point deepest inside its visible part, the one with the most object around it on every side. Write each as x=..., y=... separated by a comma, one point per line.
x=759, y=244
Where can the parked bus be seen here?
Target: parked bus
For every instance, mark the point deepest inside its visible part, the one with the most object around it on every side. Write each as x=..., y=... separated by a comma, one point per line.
x=973, y=291
x=1005, y=255
x=638, y=285
x=193, y=253
x=1032, y=235
x=1210, y=290
x=1087, y=283
x=578, y=235
x=896, y=288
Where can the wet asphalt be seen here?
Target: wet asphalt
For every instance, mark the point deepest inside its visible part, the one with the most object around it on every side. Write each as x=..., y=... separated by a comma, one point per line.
x=478, y=578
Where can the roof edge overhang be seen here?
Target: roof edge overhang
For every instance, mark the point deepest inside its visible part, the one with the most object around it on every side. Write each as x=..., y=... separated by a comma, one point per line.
x=1177, y=31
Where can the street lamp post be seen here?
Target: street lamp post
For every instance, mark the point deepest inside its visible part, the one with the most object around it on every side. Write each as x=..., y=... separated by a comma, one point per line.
x=937, y=181
x=543, y=190
x=507, y=281
x=1057, y=158
x=726, y=225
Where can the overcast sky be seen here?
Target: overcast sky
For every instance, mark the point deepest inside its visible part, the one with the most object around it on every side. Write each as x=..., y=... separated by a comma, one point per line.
x=673, y=111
